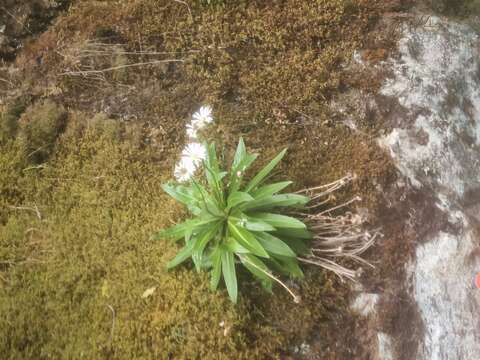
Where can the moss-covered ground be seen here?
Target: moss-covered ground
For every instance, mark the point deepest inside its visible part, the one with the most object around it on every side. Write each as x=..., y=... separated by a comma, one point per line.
x=84, y=152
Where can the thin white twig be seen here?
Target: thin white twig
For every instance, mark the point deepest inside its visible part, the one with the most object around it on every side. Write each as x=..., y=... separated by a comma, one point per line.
x=34, y=209
x=296, y=298
x=188, y=7
x=85, y=72
x=113, y=323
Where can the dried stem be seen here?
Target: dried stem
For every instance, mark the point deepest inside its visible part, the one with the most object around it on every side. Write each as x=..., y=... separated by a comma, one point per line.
x=296, y=298
x=34, y=209
x=102, y=71
x=113, y=323
x=335, y=237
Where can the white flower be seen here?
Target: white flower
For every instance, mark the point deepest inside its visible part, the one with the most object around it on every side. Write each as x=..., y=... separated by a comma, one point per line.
x=192, y=131
x=202, y=117
x=185, y=169
x=196, y=152
x=199, y=119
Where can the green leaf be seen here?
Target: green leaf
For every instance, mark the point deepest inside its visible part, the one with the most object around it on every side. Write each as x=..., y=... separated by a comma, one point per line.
x=241, y=161
x=238, y=197
x=280, y=221
x=298, y=245
x=240, y=154
x=180, y=230
x=265, y=171
x=251, y=223
x=229, y=275
x=269, y=190
x=237, y=173
x=181, y=256
x=201, y=241
x=180, y=193
x=274, y=245
x=291, y=265
x=294, y=233
x=246, y=162
x=268, y=202
x=216, y=268
x=212, y=172
x=211, y=159
x=175, y=232
x=258, y=269
x=208, y=202
x=287, y=266
x=185, y=195
x=235, y=247
x=246, y=239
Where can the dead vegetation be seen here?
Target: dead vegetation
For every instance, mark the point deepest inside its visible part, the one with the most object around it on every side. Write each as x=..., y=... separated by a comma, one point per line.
x=339, y=236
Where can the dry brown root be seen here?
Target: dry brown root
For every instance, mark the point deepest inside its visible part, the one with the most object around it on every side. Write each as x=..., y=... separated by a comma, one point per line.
x=336, y=237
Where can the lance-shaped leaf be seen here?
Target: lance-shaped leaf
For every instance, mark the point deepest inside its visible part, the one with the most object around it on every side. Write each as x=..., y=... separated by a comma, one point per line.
x=286, y=265
x=265, y=171
x=246, y=239
x=281, y=200
x=181, y=256
x=274, y=245
x=208, y=202
x=279, y=221
x=201, y=242
x=237, y=175
x=216, y=267
x=298, y=245
x=212, y=172
x=235, y=247
x=241, y=161
x=180, y=193
x=294, y=233
x=251, y=223
x=240, y=154
x=238, y=197
x=229, y=274
x=270, y=189
x=180, y=230
x=258, y=269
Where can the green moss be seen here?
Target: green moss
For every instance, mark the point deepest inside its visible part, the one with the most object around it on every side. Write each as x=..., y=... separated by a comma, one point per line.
x=269, y=72
x=39, y=127
x=9, y=116
x=88, y=252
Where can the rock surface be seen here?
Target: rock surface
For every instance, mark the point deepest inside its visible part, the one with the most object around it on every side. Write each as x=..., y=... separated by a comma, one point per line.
x=436, y=145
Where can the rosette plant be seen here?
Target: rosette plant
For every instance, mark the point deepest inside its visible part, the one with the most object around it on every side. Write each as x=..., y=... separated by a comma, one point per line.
x=239, y=222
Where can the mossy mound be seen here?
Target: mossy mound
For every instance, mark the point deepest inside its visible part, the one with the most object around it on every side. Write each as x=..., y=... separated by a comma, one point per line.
x=76, y=258
x=75, y=223
x=38, y=129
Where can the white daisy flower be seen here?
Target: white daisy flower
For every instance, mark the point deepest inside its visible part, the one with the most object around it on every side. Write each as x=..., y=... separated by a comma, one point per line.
x=202, y=117
x=196, y=152
x=192, y=130
x=185, y=169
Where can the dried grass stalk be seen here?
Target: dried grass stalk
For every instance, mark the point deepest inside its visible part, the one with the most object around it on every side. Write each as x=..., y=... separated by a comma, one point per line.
x=336, y=237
